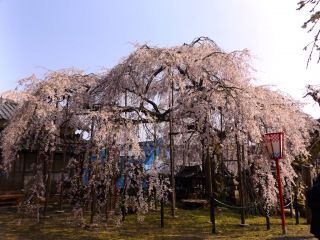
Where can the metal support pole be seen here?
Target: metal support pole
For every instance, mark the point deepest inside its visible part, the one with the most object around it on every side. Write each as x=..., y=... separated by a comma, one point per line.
x=161, y=204
x=241, y=190
x=92, y=189
x=62, y=178
x=283, y=219
x=125, y=162
x=212, y=215
x=268, y=219
x=155, y=160
x=172, y=162
x=296, y=207
x=267, y=210
x=162, y=212
x=23, y=169
x=211, y=198
x=48, y=183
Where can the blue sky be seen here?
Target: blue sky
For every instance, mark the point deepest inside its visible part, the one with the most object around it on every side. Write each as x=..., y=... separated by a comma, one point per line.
x=40, y=35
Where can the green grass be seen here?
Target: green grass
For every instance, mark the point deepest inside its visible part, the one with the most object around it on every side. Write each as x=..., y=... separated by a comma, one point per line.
x=188, y=224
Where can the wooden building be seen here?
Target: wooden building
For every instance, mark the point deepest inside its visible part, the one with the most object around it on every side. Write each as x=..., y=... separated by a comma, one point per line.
x=189, y=183
x=23, y=169
x=12, y=180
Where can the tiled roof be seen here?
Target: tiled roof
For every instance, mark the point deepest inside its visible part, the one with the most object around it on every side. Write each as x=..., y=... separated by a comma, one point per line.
x=7, y=109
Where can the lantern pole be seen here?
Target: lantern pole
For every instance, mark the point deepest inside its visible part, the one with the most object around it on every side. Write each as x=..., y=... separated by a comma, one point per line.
x=276, y=153
x=283, y=219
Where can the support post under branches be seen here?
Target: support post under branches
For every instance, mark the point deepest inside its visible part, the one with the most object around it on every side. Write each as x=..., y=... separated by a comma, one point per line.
x=172, y=162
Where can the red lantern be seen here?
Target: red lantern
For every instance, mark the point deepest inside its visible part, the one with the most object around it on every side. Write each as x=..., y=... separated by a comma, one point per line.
x=275, y=144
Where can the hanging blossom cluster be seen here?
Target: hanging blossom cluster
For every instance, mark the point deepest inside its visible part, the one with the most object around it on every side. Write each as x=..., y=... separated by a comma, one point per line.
x=60, y=113
x=203, y=92
x=46, y=107
x=196, y=85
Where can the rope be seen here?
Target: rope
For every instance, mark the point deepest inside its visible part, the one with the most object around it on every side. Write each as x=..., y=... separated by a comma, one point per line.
x=255, y=204
x=236, y=207
x=288, y=204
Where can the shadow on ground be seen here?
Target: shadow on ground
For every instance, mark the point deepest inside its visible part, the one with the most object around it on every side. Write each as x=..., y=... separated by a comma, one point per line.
x=294, y=238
